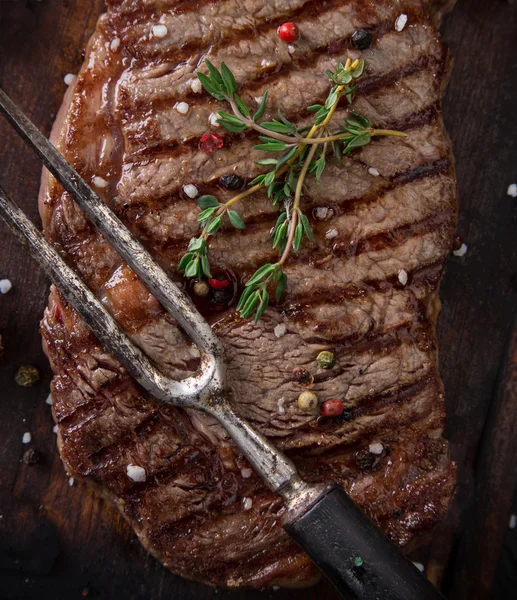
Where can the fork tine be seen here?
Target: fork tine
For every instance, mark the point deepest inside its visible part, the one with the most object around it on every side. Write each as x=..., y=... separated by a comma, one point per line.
x=93, y=312
x=131, y=250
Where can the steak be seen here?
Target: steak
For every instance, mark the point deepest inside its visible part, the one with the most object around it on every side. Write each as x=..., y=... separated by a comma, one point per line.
x=388, y=212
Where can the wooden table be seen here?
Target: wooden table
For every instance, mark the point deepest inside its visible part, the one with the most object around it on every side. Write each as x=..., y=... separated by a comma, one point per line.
x=60, y=541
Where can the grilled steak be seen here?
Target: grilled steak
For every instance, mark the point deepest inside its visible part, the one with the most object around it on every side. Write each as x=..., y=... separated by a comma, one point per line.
x=389, y=212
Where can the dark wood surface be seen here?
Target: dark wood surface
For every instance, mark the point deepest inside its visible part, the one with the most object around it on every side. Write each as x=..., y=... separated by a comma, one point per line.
x=59, y=541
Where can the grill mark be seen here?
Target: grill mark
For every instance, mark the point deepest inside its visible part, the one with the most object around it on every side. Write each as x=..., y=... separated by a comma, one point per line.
x=366, y=87
x=309, y=11
x=436, y=168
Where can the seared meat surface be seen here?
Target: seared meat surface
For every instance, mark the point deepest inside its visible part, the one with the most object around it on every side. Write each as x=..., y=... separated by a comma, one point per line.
x=390, y=211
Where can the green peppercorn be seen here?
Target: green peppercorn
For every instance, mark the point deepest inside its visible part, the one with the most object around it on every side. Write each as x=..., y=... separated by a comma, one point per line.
x=358, y=561
x=326, y=359
x=27, y=376
x=308, y=401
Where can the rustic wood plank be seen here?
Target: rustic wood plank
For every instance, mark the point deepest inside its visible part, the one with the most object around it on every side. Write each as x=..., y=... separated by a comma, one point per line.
x=65, y=538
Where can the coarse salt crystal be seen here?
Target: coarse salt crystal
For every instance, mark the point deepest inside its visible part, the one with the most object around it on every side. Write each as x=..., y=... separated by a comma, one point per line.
x=49, y=399
x=281, y=409
x=280, y=330
x=258, y=99
x=213, y=119
x=115, y=44
x=5, y=286
x=54, y=429
x=461, y=251
x=246, y=473
x=196, y=86
x=136, y=473
x=419, y=566
x=513, y=522
x=321, y=213
x=247, y=503
x=331, y=234
x=69, y=78
x=100, y=182
x=181, y=107
x=266, y=63
x=190, y=190
x=402, y=277
x=27, y=437
x=71, y=481
x=159, y=31
x=376, y=448
x=400, y=23
x=512, y=190
x=291, y=49
x=373, y=172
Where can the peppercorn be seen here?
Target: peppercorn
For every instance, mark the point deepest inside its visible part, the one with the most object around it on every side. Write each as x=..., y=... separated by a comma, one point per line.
x=303, y=377
x=201, y=289
x=288, y=32
x=361, y=39
x=31, y=457
x=332, y=408
x=364, y=459
x=27, y=376
x=358, y=561
x=308, y=401
x=326, y=359
x=232, y=182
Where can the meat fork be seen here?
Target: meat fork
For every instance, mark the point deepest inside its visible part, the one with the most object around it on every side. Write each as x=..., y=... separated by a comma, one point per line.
x=348, y=548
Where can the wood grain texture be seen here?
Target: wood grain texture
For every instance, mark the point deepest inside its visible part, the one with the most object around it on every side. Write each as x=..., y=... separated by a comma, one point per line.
x=57, y=540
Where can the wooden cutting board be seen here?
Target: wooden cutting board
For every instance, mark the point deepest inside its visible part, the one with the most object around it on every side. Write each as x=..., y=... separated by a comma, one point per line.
x=59, y=541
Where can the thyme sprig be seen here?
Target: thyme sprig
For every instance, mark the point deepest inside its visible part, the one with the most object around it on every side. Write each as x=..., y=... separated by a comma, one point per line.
x=295, y=153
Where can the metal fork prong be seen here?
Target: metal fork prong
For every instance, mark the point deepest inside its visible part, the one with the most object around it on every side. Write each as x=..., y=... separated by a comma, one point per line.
x=131, y=250
x=97, y=317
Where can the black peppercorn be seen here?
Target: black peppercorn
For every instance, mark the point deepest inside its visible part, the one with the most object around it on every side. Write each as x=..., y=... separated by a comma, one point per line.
x=232, y=182
x=361, y=39
x=364, y=459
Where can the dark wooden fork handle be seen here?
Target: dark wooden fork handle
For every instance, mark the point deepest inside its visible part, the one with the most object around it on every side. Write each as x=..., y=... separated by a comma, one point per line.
x=354, y=554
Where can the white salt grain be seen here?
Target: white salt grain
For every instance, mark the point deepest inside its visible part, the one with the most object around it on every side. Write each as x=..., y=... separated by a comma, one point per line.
x=321, y=213
x=376, y=448
x=513, y=522
x=27, y=437
x=291, y=49
x=461, y=251
x=181, y=107
x=100, y=182
x=280, y=330
x=115, y=44
x=419, y=566
x=69, y=78
x=196, y=86
x=373, y=172
x=5, y=286
x=54, y=429
x=512, y=190
x=266, y=63
x=159, y=31
x=213, y=119
x=258, y=99
x=136, y=473
x=246, y=473
x=190, y=190
x=49, y=399
x=281, y=409
x=400, y=23
x=247, y=503
x=71, y=481
x=402, y=277
x=331, y=234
